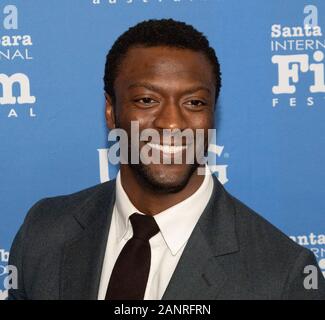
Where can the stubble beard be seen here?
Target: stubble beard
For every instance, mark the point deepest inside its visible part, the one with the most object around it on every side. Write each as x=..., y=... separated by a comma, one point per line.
x=152, y=182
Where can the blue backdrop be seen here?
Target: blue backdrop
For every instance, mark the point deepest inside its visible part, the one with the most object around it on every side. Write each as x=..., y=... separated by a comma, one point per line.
x=270, y=142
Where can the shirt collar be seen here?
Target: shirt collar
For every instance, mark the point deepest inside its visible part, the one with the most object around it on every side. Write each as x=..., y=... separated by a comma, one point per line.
x=175, y=223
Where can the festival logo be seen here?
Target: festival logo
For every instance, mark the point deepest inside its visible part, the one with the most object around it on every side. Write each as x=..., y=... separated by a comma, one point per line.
x=298, y=56
x=15, y=87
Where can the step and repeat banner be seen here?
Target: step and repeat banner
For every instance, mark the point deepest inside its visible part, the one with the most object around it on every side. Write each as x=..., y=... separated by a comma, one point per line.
x=270, y=146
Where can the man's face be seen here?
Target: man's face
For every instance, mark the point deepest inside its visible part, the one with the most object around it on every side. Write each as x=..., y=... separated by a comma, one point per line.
x=164, y=88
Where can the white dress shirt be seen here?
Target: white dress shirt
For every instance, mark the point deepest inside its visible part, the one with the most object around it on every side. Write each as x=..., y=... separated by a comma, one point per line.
x=176, y=225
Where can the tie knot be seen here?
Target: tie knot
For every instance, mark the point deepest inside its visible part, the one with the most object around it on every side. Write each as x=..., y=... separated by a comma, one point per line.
x=144, y=226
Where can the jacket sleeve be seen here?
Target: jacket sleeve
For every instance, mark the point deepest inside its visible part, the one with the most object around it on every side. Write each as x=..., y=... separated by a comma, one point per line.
x=18, y=254
x=305, y=280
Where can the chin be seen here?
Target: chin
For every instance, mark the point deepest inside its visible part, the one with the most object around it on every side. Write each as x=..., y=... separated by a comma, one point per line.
x=164, y=178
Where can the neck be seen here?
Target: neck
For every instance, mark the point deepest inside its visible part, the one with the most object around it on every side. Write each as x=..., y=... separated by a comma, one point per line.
x=155, y=202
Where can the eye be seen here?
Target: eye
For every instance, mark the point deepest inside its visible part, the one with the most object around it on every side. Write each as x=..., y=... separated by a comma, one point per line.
x=194, y=103
x=146, y=101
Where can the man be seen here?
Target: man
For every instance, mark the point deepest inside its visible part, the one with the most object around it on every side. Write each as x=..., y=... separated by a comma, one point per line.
x=160, y=230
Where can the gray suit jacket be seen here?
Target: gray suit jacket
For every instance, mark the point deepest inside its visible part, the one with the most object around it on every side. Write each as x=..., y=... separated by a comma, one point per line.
x=233, y=253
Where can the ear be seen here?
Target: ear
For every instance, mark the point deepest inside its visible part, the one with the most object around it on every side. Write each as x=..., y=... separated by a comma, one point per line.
x=109, y=112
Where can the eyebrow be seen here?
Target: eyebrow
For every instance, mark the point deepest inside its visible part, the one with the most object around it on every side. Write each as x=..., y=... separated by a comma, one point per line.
x=152, y=87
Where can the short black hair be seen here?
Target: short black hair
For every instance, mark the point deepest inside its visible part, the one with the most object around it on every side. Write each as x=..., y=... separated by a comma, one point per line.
x=158, y=32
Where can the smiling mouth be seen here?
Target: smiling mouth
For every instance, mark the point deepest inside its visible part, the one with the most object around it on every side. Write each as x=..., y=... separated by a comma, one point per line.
x=167, y=149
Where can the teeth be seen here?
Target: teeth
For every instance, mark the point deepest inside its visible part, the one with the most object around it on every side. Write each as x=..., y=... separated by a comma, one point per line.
x=167, y=148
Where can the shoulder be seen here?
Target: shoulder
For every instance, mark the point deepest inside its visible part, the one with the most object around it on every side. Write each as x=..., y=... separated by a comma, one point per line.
x=62, y=205
x=262, y=244
x=254, y=231
x=55, y=216
x=272, y=261
x=77, y=198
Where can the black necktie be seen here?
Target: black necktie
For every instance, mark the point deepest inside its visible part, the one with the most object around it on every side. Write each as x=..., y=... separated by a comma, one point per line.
x=131, y=270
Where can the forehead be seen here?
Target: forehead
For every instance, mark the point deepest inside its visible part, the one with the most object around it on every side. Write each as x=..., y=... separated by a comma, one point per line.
x=165, y=64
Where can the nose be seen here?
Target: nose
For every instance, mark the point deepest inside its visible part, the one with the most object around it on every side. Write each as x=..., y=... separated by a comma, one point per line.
x=170, y=117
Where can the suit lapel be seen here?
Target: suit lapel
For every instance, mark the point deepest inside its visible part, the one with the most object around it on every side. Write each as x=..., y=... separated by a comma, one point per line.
x=200, y=273
x=83, y=256
x=198, y=276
